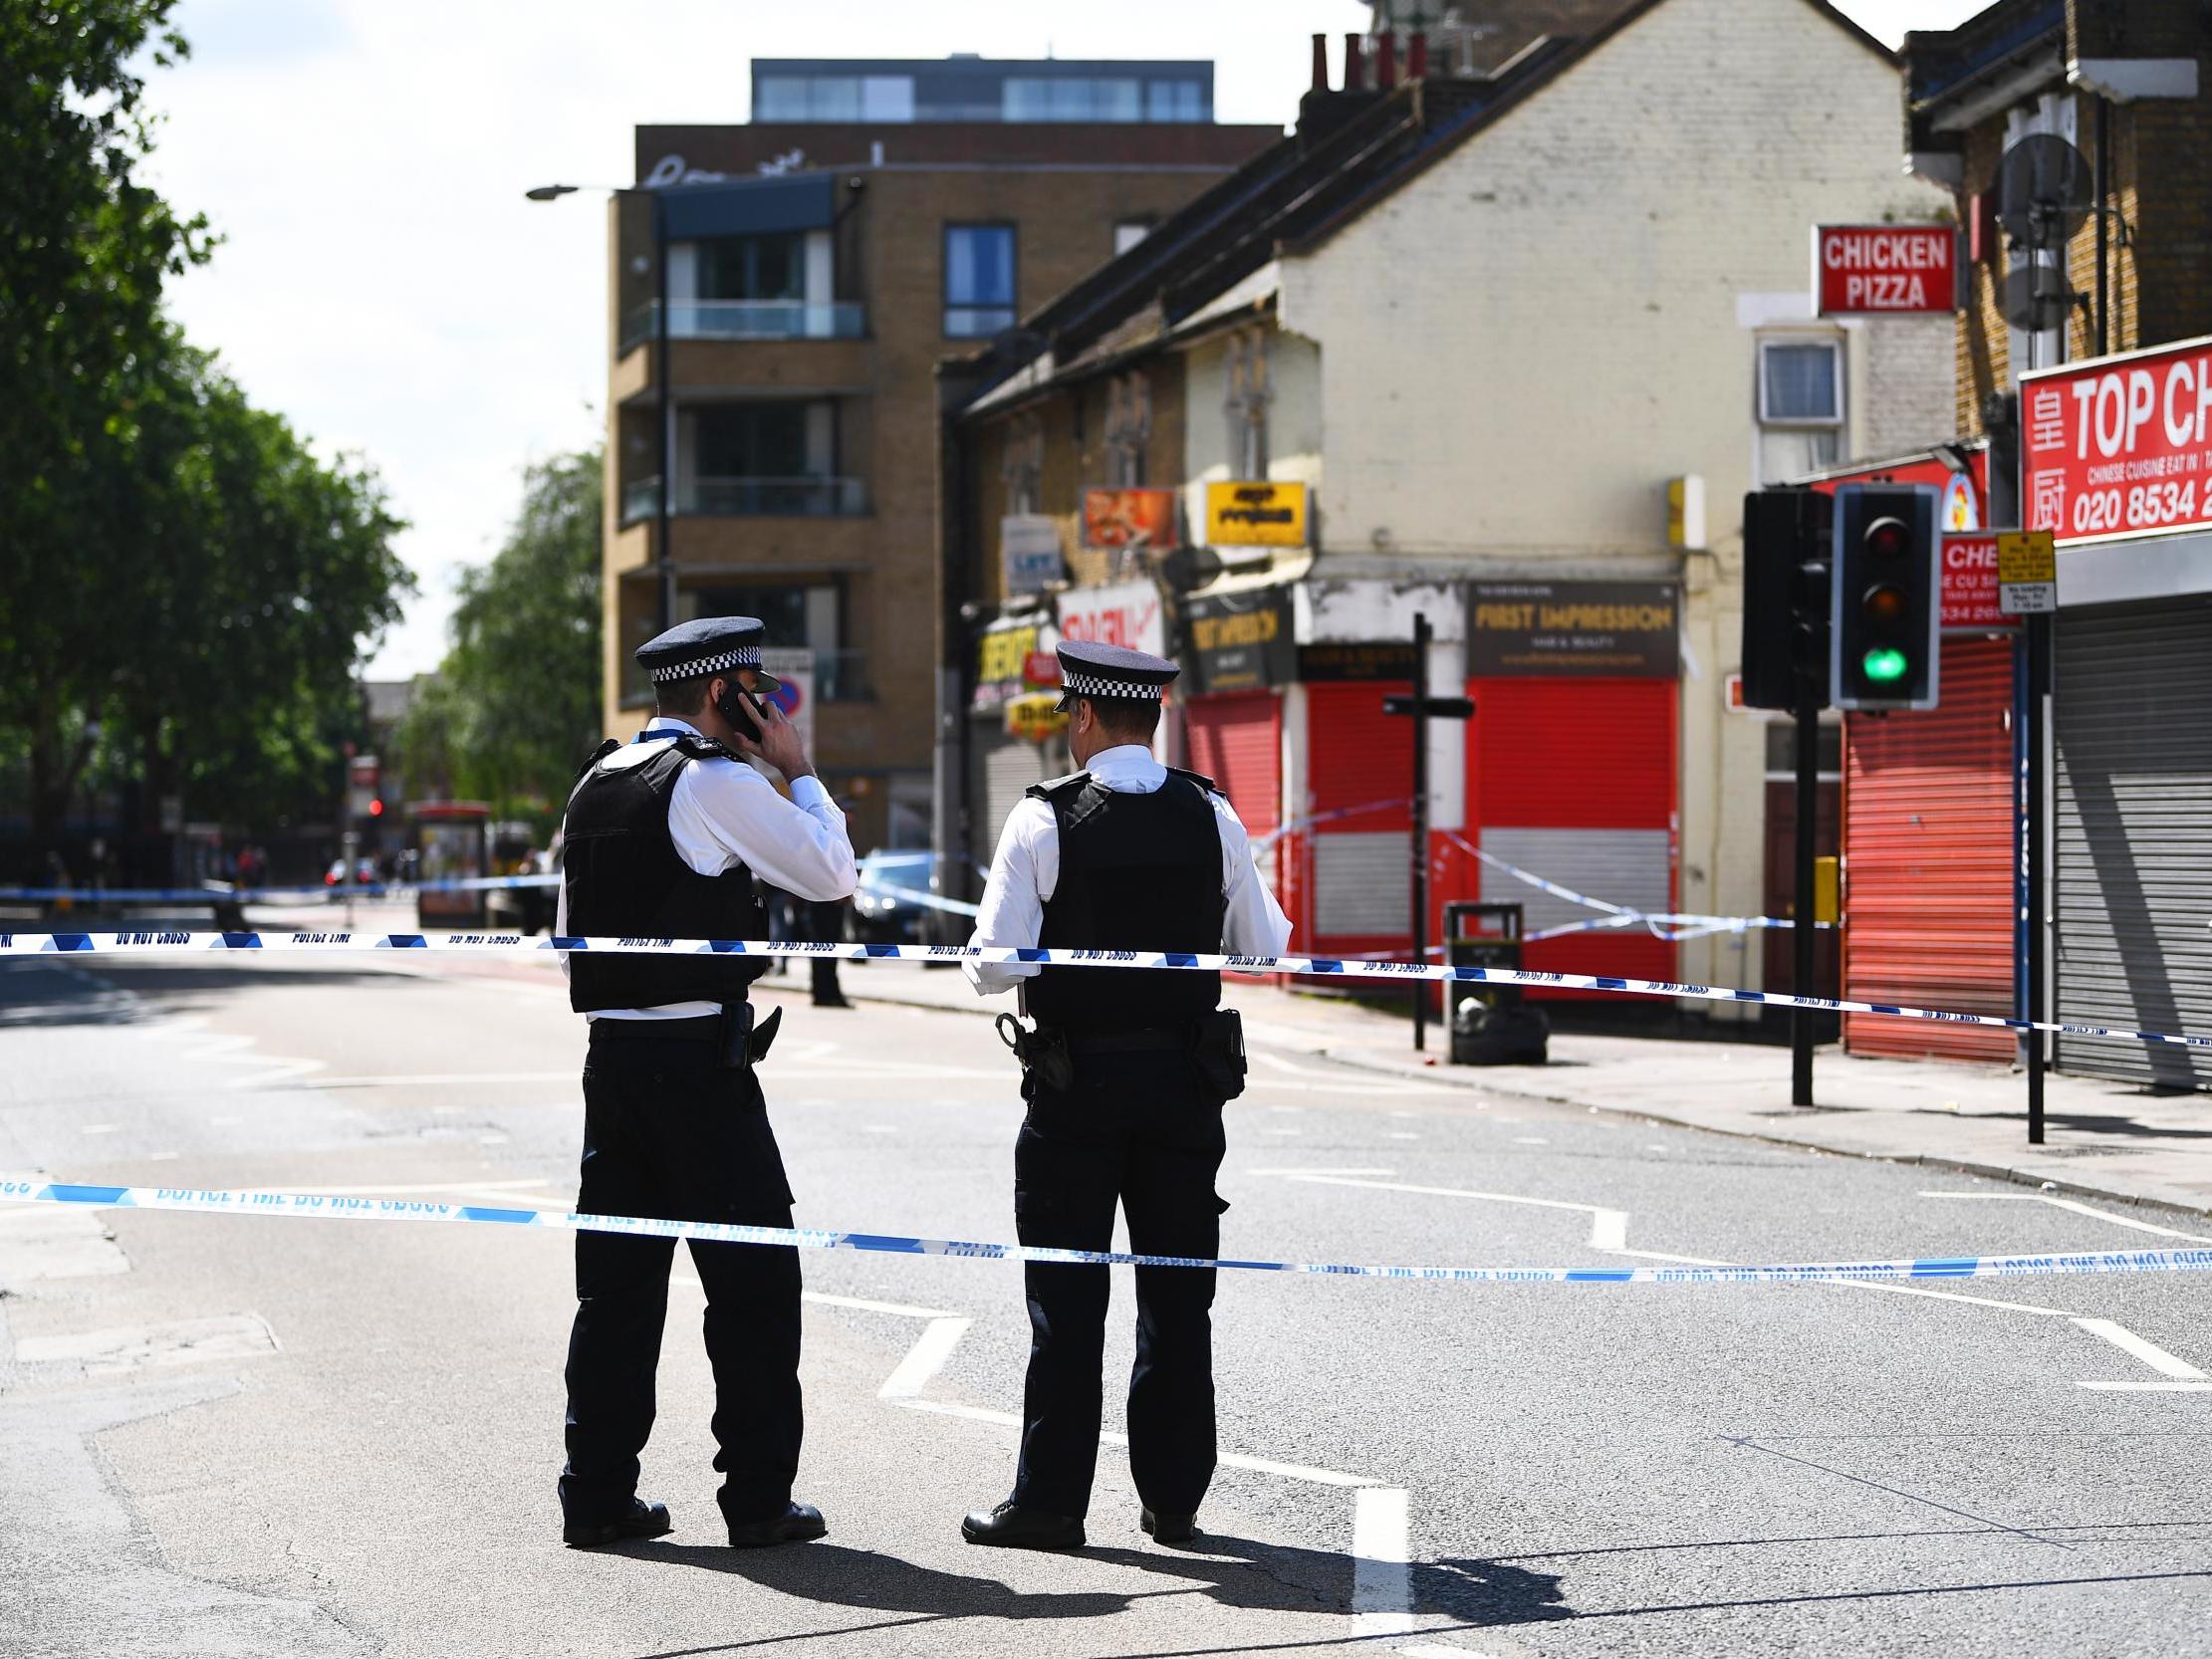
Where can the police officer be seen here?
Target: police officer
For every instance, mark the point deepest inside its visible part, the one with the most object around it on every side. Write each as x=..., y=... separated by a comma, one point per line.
x=665, y=836
x=1125, y=1073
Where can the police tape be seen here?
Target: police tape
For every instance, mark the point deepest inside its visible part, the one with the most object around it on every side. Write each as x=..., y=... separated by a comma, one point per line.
x=1671, y=926
x=353, y=1207
x=271, y=895
x=155, y=942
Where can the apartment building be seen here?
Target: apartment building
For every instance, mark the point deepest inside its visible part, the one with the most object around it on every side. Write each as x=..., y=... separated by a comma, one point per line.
x=780, y=294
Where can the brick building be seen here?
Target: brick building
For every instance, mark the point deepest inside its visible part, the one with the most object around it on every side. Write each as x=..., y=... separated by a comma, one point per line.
x=1441, y=351
x=2076, y=140
x=817, y=265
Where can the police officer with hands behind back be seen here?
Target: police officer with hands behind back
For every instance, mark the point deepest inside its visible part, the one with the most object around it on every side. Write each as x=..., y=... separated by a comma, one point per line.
x=1125, y=1073
x=663, y=837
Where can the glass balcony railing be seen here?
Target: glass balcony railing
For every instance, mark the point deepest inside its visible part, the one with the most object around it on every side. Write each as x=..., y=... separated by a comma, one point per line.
x=748, y=319
x=804, y=498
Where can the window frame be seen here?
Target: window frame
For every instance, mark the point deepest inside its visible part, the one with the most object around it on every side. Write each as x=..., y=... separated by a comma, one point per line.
x=947, y=305
x=1832, y=344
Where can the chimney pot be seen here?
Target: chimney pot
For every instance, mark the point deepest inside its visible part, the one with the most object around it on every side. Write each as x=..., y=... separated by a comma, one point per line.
x=1321, y=63
x=1356, y=68
x=1416, y=56
x=1387, y=60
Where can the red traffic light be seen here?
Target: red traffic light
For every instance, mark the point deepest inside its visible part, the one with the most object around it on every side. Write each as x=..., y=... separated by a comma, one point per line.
x=375, y=808
x=1889, y=537
x=1883, y=603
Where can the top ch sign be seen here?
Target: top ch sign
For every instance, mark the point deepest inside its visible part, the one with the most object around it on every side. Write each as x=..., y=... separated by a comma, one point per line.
x=1887, y=270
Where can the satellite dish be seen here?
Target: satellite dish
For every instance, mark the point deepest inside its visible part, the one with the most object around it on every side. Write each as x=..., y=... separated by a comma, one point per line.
x=2037, y=296
x=2044, y=191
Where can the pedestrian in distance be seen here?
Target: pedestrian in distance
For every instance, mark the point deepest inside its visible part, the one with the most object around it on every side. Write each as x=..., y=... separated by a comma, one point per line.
x=1125, y=1073
x=664, y=838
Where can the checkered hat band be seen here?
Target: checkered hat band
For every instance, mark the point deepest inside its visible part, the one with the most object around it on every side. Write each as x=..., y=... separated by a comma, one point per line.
x=744, y=657
x=1090, y=685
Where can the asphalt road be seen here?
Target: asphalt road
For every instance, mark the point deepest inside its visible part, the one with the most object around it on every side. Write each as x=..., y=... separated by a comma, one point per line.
x=221, y=1435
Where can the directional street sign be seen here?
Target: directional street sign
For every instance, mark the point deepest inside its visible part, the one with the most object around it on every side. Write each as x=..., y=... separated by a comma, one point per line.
x=2027, y=572
x=1435, y=708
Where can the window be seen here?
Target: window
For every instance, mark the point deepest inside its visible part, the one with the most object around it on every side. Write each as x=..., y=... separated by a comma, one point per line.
x=1071, y=98
x=824, y=98
x=753, y=267
x=1799, y=405
x=752, y=440
x=1129, y=427
x=1175, y=100
x=979, y=279
x=1245, y=398
x=1801, y=382
x=1022, y=464
x=1128, y=233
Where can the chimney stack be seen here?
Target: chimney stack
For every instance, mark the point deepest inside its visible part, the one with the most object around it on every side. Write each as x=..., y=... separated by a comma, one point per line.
x=1321, y=63
x=1416, y=56
x=1356, y=68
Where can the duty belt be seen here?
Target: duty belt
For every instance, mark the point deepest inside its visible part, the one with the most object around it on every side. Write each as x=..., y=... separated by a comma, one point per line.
x=1143, y=1040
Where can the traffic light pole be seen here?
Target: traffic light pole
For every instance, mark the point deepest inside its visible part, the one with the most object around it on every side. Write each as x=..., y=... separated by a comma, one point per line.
x=1420, y=825
x=2038, y=687
x=1801, y=929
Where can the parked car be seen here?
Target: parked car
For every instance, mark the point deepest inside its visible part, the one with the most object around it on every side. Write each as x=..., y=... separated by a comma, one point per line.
x=365, y=874
x=891, y=905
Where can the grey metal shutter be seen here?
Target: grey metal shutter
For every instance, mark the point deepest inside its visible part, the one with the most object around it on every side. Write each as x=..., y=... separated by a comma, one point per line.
x=2132, y=720
x=1363, y=884
x=1009, y=767
x=1628, y=867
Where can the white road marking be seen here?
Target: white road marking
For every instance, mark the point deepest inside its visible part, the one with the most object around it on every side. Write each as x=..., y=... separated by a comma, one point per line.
x=1437, y=1650
x=1285, y=1131
x=1353, y=1169
x=1530, y=1140
x=429, y=1079
x=879, y=1130
x=1608, y=1228
x=2151, y=1387
x=2156, y=1357
x=1863, y=1285
x=98, y=1130
x=1402, y=1134
x=1381, y=1578
x=924, y=1359
x=2078, y=1207
x=901, y=1310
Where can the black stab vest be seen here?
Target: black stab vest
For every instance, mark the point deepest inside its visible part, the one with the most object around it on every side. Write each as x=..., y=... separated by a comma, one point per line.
x=625, y=878
x=1137, y=872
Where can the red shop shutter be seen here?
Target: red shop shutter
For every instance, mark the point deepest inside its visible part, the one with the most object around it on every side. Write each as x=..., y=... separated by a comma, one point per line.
x=1237, y=740
x=1928, y=860
x=1573, y=780
x=1355, y=885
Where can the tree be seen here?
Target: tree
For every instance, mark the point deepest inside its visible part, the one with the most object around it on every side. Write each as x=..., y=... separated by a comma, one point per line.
x=83, y=251
x=516, y=708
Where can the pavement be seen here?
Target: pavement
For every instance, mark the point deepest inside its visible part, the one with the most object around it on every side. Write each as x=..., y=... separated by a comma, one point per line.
x=243, y=1436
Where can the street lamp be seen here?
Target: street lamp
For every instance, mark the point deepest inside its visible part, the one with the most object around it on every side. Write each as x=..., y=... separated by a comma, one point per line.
x=664, y=562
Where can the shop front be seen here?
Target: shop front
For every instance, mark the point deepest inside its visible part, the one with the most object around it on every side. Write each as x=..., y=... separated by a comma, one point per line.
x=1239, y=652
x=1010, y=746
x=2116, y=462
x=1573, y=762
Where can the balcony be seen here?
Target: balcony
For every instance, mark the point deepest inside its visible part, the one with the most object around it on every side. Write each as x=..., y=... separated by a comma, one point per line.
x=803, y=498
x=748, y=319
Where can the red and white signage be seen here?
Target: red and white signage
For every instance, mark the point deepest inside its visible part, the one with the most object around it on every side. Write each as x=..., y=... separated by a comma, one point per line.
x=1123, y=613
x=1970, y=586
x=2118, y=447
x=1886, y=270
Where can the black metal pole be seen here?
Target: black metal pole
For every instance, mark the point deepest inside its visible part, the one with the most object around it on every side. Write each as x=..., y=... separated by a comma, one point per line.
x=2039, y=686
x=1420, y=825
x=1800, y=930
x=666, y=418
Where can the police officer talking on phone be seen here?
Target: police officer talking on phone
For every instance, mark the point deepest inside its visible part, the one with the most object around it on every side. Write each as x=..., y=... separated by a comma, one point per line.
x=663, y=837
x=1125, y=1072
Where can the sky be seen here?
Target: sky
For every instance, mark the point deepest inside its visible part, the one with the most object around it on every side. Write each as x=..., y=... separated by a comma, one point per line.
x=383, y=284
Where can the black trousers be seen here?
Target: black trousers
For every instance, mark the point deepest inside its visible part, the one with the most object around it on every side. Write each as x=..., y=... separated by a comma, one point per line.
x=1143, y=1131
x=669, y=1132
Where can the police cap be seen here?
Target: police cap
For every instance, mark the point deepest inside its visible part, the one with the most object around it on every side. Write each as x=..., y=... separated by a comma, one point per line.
x=706, y=645
x=1089, y=668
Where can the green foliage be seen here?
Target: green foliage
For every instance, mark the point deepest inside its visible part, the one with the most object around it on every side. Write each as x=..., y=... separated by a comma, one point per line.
x=183, y=586
x=516, y=705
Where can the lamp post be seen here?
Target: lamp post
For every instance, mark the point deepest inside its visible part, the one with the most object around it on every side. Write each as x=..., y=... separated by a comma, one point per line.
x=664, y=560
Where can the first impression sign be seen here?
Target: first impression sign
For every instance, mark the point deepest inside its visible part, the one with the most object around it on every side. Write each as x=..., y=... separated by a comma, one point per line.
x=1886, y=270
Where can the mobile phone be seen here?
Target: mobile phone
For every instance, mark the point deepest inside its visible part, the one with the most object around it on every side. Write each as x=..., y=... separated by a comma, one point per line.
x=742, y=710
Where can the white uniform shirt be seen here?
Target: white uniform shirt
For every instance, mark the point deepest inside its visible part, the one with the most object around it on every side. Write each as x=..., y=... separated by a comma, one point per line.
x=1026, y=869
x=723, y=812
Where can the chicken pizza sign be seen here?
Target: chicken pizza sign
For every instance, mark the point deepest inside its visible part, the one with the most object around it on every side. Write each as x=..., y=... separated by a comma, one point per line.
x=1886, y=270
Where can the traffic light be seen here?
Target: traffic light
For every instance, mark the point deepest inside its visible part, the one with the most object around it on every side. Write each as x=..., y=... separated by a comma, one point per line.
x=1786, y=598
x=1889, y=604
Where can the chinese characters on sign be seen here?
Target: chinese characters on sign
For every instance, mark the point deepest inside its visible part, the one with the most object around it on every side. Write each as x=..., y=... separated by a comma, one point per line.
x=2118, y=448
x=1899, y=269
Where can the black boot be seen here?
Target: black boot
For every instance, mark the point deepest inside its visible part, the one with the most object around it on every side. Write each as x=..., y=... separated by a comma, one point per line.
x=798, y=1522
x=1010, y=1527
x=1169, y=1528
x=644, y=1521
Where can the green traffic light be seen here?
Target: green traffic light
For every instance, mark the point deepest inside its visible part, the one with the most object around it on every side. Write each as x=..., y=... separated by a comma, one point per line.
x=1883, y=664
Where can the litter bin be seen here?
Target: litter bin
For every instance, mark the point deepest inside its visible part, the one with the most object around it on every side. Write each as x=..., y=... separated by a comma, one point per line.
x=1491, y=1024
